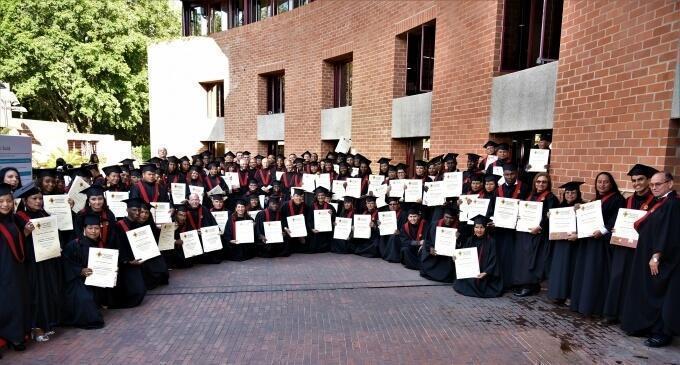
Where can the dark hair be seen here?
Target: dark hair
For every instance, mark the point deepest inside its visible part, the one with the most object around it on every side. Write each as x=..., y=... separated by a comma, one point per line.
x=615, y=187
x=579, y=198
x=533, y=185
x=4, y=172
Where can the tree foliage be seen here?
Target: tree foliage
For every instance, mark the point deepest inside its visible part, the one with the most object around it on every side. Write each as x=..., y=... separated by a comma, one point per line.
x=84, y=62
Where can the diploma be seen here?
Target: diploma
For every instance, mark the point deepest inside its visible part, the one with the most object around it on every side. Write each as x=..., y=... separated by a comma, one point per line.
x=362, y=226
x=489, y=160
x=308, y=182
x=198, y=190
x=376, y=179
x=114, y=200
x=354, y=172
x=453, y=184
x=353, y=188
x=497, y=170
x=253, y=213
x=589, y=218
x=343, y=228
x=104, y=265
x=334, y=205
x=336, y=168
x=244, y=231
x=273, y=232
x=262, y=198
x=322, y=220
x=379, y=191
x=397, y=188
x=338, y=189
x=445, y=241
x=529, y=216
x=231, y=179
x=75, y=193
x=179, y=192
x=467, y=263
x=435, y=194
x=388, y=222
x=297, y=226
x=191, y=244
x=58, y=206
x=477, y=206
x=278, y=175
x=624, y=233
x=413, y=190
x=562, y=222
x=538, y=160
x=217, y=190
x=343, y=146
x=45, y=238
x=221, y=218
x=161, y=212
x=323, y=180
x=166, y=240
x=211, y=238
x=506, y=212
x=143, y=243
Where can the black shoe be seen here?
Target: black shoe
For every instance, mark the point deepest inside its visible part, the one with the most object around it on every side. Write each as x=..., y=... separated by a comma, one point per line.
x=17, y=346
x=524, y=293
x=658, y=341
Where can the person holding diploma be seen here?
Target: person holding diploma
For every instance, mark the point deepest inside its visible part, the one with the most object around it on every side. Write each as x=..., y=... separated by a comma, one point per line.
x=45, y=279
x=81, y=303
x=148, y=188
x=294, y=206
x=564, y=251
x=113, y=182
x=471, y=169
x=96, y=204
x=155, y=269
x=488, y=283
x=490, y=148
x=503, y=153
x=213, y=179
x=390, y=245
x=319, y=241
x=369, y=247
x=176, y=257
x=432, y=266
x=653, y=294
x=271, y=214
x=591, y=270
x=290, y=178
x=131, y=288
x=347, y=211
x=198, y=216
x=412, y=238
x=532, y=249
x=621, y=257
x=237, y=251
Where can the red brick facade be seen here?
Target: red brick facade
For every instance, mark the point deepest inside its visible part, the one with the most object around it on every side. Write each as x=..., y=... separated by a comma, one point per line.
x=614, y=85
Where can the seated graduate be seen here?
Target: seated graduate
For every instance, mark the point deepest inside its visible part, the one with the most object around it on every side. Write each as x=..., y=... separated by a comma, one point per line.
x=277, y=192
x=238, y=251
x=81, y=303
x=271, y=214
x=130, y=289
x=155, y=270
x=198, y=216
x=369, y=247
x=319, y=241
x=390, y=245
x=432, y=266
x=412, y=238
x=96, y=204
x=176, y=257
x=488, y=283
x=347, y=211
x=294, y=206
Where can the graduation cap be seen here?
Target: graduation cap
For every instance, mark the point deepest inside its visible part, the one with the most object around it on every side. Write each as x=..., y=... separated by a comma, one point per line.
x=450, y=157
x=127, y=161
x=218, y=196
x=435, y=160
x=79, y=171
x=330, y=156
x=254, y=197
x=473, y=156
x=327, y=160
x=148, y=167
x=451, y=210
x=195, y=168
x=572, y=185
x=154, y=160
x=348, y=199
x=39, y=173
x=357, y=156
x=184, y=158
x=196, y=157
x=213, y=164
x=125, y=168
x=245, y=153
x=136, y=172
x=509, y=167
x=5, y=189
x=173, y=159
x=276, y=183
x=393, y=199
x=299, y=160
x=94, y=190
x=306, y=153
x=477, y=177
x=241, y=201
x=259, y=157
x=273, y=199
x=481, y=219
x=640, y=169
x=504, y=146
x=180, y=207
x=421, y=163
x=252, y=181
x=229, y=154
x=414, y=210
x=205, y=153
x=111, y=169
x=369, y=198
x=384, y=160
x=343, y=164
x=297, y=191
x=26, y=191
x=401, y=166
x=321, y=189
x=492, y=177
x=392, y=168
x=133, y=202
x=313, y=163
x=91, y=219
x=490, y=144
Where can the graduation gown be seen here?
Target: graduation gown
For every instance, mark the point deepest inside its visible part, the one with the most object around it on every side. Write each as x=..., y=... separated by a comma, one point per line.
x=149, y=192
x=505, y=238
x=45, y=280
x=390, y=245
x=591, y=270
x=266, y=249
x=130, y=288
x=369, y=247
x=491, y=285
x=239, y=251
x=15, y=318
x=81, y=302
x=562, y=266
x=154, y=270
x=652, y=302
x=198, y=218
x=319, y=242
x=436, y=267
x=343, y=246
x=410, y=235
x=108, y=220
x=288, y=209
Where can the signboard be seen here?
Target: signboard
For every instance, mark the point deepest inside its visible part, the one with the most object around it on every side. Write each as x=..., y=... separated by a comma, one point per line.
x=15, y=151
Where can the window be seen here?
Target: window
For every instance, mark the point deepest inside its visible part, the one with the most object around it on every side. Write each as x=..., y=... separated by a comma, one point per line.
x=237, y=13
x=84, y=148
x=420, y=59
x=283, y=6
x=342, y=84
x=531, y=33
x=219, y=17
x=197, y=18
x=275, y=94
x=260, y=10
x=214, y=99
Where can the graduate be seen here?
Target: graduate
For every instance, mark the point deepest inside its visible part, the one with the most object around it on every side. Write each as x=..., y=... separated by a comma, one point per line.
x=591, y=270
x=471, y=169
x=271, y=214
x=294, y=206
x=96, y=204
x=290, y=177
x=238, y=251
x=319, y=241
x=198, y=216
x=155, y=270
x=148, y=188
x=14, y=287
x=384, y=164
x=173, y=174
x=412, y=237
x=369, y=247
x=176, y=257
x=490, y=148
x=433, y=266
x=265, y=176
x=45, y=278
x=488, y=283
x=81, y=302
x=10, y=176
x=564, y=251
x=503, y=153
x=390, y=245
x=213, y=179
x=347, y=211
x=131, y=288
x=113, y=182
x=653, y=291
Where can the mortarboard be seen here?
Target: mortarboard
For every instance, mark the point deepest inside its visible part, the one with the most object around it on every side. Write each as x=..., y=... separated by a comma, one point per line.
x=384, y=160
x=504, y=146
x=94, y=190
x=110, y=169
x=572, y=185
x=473, y=156
x=91, y=219
x=640, y=169
x=490, y=144
x=480, y=219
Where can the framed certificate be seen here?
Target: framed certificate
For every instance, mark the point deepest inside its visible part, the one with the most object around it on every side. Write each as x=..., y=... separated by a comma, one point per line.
x=297, y=225
x=143, y=243
x=445, y=241
x=562, y=223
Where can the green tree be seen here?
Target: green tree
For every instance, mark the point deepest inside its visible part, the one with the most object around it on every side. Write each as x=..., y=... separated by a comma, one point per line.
x=84, y=62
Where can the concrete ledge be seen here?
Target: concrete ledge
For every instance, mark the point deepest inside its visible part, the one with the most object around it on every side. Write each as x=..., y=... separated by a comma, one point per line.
x=271, y=127
x=336, y=123
x=411, y=116
x=524, y=100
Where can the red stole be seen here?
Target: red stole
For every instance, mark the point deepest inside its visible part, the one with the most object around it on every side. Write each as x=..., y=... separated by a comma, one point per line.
x=317, y=207
x=267, y=215
x=515, y=193
x=12, y=244
x=190, y=218
x=645, y=204
x=419, y=234
x=606, y=197
x=243, y=178
x=349, y=213
x=145, y=195
x=208, y=181
x=266, y=180
x=638, y=224
x=540, y=197
x=291, y=208
x=374, y=215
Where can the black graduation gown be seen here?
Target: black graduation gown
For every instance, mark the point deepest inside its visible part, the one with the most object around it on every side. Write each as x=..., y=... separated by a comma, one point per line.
x=198, y=218
x=288, y=209
x=108, y=220
x=239, y=251
x=319, y=242
x=149, y=192
x=652, y=302
x=409, y=236
x=436, y=267
x=266, y=249
x=45, y=280
x=532, y=251
x=130, y=288
x=390, y=245
x=176, y=256
x=562, y=266
x=66, y=236
x=369, y=247
x=154, y=270
x=491, y=285
x=343, y=246
x=505, y=238
x=15, y=318
x=81, y=303
x=591, y=270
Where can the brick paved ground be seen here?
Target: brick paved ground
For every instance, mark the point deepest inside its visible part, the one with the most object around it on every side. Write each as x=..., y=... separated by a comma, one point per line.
x=325, y=308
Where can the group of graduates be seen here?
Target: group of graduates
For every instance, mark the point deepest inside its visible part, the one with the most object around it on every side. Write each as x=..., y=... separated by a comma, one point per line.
x=636, y=287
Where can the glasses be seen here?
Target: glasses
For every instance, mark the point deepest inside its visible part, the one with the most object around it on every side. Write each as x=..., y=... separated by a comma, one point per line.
x=654, y=185
x=541, y=181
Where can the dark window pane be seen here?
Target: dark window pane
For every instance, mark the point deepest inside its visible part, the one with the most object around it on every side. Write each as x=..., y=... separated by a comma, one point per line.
x=219, y=95
x=237, y=16
x=427, y=62
x=298, y=3
x=413, y=40
x=259, y=10
x=275, y=94
x=552, y=29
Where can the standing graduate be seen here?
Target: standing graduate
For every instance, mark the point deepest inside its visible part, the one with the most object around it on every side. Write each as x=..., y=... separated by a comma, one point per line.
x=320, y=241
x=488, y=284
x=412, y=237
x=653, y=293
x=271, y=214
x=503, y=153
x=347, y=211
x=81, y=302
x=621, y=257
x=490, y=148
x=130, y=289
x=369, y=247
x=390, y=245
x=433, y=266
x=290, y=177
x=295, y=206
x=591, y=271
x=564, y=251
x=238, y=251
x=148, y=188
